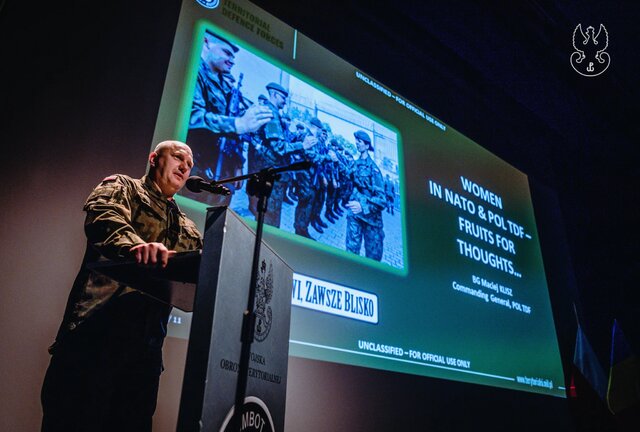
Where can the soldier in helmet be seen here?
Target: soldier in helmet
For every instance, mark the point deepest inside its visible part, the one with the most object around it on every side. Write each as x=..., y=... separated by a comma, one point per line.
x=366, y=203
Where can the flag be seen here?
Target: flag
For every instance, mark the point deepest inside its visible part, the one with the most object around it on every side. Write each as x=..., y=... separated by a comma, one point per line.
x=573, y=391
x=587, y=363
x=623, y=390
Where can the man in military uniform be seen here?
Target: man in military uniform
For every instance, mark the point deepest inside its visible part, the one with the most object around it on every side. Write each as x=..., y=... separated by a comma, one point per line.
x=347, y=184
x=299, y=135
x=306, y=181
x=274, y=151
x=286, y=178
x=255, y=145
x=389, y=192
x=367, y=200
x=320, y=179
x=107, y=356
x=332, y=209
x=218, y=117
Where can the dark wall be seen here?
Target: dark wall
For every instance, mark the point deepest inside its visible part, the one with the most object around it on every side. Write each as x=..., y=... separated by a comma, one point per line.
x=80, y=86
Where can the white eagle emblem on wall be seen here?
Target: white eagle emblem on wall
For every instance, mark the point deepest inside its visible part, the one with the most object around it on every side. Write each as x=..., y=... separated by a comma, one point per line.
x=590, y=57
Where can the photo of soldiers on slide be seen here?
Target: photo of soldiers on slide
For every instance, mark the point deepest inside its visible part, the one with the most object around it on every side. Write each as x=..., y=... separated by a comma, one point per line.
x=247, y=114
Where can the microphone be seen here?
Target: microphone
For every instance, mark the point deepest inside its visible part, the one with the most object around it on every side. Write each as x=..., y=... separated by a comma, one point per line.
x=198, y=184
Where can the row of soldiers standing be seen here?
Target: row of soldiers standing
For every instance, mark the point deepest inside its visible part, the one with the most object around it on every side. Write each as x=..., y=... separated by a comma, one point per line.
x=219, y=127
x=335, y=183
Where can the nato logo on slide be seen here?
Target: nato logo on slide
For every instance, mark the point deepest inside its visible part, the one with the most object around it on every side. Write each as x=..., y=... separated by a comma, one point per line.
x=209, y=4
x=589, y=58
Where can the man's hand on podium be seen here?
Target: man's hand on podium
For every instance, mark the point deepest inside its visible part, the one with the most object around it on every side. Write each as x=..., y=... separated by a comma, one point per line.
x=152, y=253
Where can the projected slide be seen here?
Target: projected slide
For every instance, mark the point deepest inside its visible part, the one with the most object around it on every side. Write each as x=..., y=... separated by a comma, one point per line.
x=314, y=205
x=415, y=250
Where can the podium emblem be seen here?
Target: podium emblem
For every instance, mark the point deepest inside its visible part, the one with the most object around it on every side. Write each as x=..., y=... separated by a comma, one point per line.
x=255, y=417
x=264, y=294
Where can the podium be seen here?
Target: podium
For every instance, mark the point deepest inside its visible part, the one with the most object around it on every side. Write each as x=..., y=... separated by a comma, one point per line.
x=218, y=298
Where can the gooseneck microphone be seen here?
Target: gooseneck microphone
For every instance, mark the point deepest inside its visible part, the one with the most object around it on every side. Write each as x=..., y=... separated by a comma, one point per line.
x=298, y=166
x=198, y=184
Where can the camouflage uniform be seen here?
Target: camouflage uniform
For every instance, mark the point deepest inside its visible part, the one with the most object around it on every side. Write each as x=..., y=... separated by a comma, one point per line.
x=320, y=182
x=389, y=191
x=274, y=150
x=339, y=172
x=347, y=184
x=209, y=128
x=107, y=358
x=305, y=189
x=288, y=178
x=368, y=190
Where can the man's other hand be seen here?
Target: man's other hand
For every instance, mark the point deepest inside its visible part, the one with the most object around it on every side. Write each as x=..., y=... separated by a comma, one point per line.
x=354, y=206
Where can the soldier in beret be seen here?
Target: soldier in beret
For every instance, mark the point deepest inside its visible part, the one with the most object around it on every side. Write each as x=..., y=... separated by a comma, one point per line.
x=107, y=357
x=366, y=203
x=219, y=116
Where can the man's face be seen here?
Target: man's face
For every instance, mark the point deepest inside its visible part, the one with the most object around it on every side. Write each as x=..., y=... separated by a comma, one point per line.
x=219, y=57
x=171, y=167
x=278, y=99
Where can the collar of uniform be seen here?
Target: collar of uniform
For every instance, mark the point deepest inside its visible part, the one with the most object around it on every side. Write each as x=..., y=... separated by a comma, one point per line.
x=214, y=77
x=154, y=191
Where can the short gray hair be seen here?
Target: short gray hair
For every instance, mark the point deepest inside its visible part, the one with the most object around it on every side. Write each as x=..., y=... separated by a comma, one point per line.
x=170, y=143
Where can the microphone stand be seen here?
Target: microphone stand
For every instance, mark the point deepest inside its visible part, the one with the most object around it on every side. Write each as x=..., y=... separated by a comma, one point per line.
x=259, y=184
